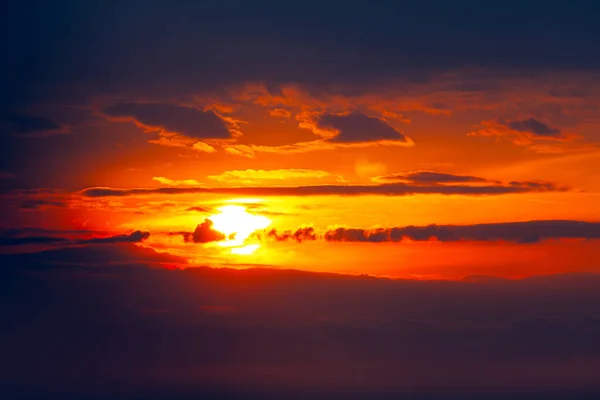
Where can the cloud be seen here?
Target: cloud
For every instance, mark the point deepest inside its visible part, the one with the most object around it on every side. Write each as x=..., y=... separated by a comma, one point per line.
x=357, y=127
x=31, y=126
x=204, y=233
x=280, y=112
x=24, y=237
x=114, y=192
x=250, y=151
x=534, y=127
x=171, y=182
x=241, y=150
x=250, y=176
x=27, y=240
x=430, y=178
x=436, y=94
x=175, y=119
x=84, y=255
x=390, y=189
x=533, y=185
x=134, y=237
x=42, y=204
x=176, y=140
x=280, y=333
x=527, y=132
x=334, y=131
x=203, y=147
x=520, y=232
x=300, y=235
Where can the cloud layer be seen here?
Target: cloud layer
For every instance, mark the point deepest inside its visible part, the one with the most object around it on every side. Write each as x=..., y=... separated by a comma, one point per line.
x=260, y=333
x=390, y=189
x=23, y=237
x=175, y=119
x=521, y=232
x=430, y=178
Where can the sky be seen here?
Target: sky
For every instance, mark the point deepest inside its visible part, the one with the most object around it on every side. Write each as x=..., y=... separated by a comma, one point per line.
x=394, y=184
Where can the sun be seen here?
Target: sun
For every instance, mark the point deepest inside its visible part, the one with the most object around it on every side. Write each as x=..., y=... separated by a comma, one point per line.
x=237, y=225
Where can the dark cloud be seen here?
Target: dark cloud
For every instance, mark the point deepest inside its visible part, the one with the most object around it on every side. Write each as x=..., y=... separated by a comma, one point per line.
x=26, y=240
x=113, y=192
x=430, y=178
x=41, y=204
x=533, y=185
x=182, y=62
x=134, y=237
x=266, y=333
x=204, y=233
x=44, y=238
x=91, y=254
x=27, y=125
x=35, y=199
x=184, y=57
x=531, y=133
x=521, y=232
x=34, y=231
x=186, y=121
x=300, y=235
x=535, y=127
x=357, y=127
x=390, y=189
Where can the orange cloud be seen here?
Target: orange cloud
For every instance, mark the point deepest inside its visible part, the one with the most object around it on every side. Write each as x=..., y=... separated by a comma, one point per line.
x=171, y=182
x=280, y=112
x=250, y=176
x=203, y=147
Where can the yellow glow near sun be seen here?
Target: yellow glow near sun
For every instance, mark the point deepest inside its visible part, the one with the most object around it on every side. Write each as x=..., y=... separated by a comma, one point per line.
x=235, y=220
x=245, y=250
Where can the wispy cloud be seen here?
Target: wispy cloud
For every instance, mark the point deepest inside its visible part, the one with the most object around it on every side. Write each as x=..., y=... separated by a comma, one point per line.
x=251, y=176
x=176, y=182
x=390, y=189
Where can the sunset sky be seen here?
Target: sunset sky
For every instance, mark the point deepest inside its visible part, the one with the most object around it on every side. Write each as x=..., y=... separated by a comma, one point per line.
x=425, y=141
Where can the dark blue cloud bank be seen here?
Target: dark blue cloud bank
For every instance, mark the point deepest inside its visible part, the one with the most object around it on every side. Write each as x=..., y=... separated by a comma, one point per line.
x=70, y=55
x=157, y=46
x=108, y=321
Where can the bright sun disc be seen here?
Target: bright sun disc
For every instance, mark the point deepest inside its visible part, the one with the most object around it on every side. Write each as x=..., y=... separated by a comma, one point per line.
x=236, y=221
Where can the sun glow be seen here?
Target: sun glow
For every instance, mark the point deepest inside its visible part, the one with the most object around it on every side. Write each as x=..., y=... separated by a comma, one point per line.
x=238, y=224
x=245, y=250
